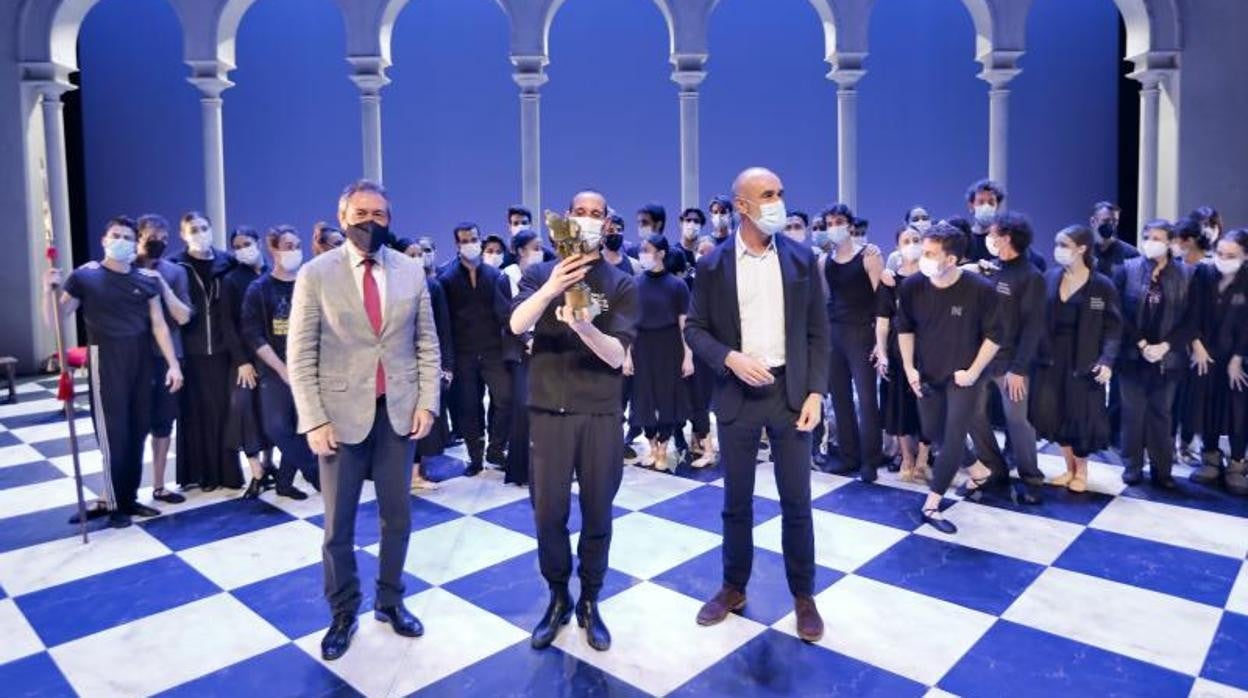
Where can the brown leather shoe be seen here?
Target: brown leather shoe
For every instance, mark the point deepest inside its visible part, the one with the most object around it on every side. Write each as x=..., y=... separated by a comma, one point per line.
x=809, y=624
x=727, y=600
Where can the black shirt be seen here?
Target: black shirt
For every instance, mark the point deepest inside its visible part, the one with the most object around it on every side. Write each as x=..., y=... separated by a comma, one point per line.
x=266, y=315
x=663, y=298
x=949, y=324
x=175, y=276
x=1154, y=306
x=1020, y=312
x=113, y=305
x=565, y=375
x=1112, y=257
x=233, y=288
x=851, y=299
x=478, y=313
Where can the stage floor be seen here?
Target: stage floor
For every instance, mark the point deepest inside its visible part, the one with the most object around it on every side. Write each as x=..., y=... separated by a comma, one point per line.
x=1120, y=591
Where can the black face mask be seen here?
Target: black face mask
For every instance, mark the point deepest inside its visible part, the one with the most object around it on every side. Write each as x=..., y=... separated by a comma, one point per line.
x=1107, y=231
x=369, y=236
x=613, y=242
x=154, y=249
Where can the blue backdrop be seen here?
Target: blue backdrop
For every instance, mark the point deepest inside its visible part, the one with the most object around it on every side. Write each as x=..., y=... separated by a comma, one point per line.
x=609, y=113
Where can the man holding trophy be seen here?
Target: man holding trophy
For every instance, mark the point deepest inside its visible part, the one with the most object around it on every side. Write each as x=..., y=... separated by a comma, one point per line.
x=583, y=316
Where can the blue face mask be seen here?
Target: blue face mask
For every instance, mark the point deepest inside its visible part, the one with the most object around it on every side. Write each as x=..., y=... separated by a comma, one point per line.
x=120, y=250
x=820, y=238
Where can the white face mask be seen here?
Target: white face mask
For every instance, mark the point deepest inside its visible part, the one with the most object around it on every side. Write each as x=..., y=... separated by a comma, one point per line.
x=719, y=220
x=994, y=247
x=1211, y=233
x=1228, y=267
x=531, y=258
x=121, y=250
x=838, y=233
x=690, y=229
x=517, y=228
x=200, y=242
x=911, y=252
x=1154, y=249
x=930, y=267
x=289, y=260
x=1064, y=256
x=645, y=231
x=249, y=255
x=646, y=261
x=470, y=251
x=771, y=217
x=921, y=226
x=1176, y=250
x=984, y=213
x=494, y=259
x=591, y=230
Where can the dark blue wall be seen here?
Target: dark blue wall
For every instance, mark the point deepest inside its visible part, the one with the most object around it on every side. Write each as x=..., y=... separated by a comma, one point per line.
x=609, y=112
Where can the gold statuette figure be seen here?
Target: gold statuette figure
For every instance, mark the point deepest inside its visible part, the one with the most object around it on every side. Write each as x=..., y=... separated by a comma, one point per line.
x=566, y=236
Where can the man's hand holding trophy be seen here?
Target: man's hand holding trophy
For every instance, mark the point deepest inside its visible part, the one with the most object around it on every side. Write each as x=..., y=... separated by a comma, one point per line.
x=576, y=253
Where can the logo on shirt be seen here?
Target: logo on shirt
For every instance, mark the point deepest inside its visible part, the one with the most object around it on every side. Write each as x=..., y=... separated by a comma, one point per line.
x=955, y=311
x=1238, y=299
x=1096, y=303
x=1003, y=288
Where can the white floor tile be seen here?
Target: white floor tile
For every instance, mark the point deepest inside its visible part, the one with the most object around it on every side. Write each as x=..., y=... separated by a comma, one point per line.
x=1204, y=688
x=1153, y=627
x=645, y=546
x=18, y=454
x=20, y=639
x=910, y=634
x=1190, y=528
x=240, y=560
x=51, y=431
x=27, y=499
x=65, y=560
x=656, y=645
x=640, y=488
x=451, y=550
x=166, y=649
x=765, y=483
x=1238, y=601
x=26, y=407
x=841, y=542
x=457, y=634
x=90, y=462
x=1023, y=536
x=473, y=495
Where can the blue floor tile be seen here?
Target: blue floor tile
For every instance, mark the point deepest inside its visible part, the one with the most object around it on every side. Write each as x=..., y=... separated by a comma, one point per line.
x=8, y=439
x=76, y=609
x=41, y=526
x=703, y=508
x=425, y=514
x=28, y=474
x=36, y=676
x=515, y=590
x=63, y=447
x=710, y=473
x=890, y=506
x=518, y=517
x=34, y=419
x=186, y=529
x=523, y=671
x=776, y=664
x=1190, y=574
x=1191, y=495
x=285, y=671
x=1059, y=503
x=294, y=602
x=1227, y=662
x=769, y=598
x=970, y=577
x=1017, y=661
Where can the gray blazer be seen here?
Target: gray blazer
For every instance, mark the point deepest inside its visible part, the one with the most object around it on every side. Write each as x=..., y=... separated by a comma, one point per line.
x=332, y=351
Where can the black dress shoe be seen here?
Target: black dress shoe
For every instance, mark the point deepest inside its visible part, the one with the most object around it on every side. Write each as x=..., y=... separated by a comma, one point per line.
x=943, y=525
x=496, y=457
x=118, y=519
x=338, y=638
x=254, y=488
x=474, y=469
x=291, y=492
x=1132, y=475
x=595, y=630
x=403, y=622
x=867, y=473
x=1165, y=482
x=269, y=480
x=1022, y=493
x=98, y=510
x=143, y=510
x=557, y=615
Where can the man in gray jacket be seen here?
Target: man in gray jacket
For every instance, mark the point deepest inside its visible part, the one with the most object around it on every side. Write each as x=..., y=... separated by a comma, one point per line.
x=365, y=371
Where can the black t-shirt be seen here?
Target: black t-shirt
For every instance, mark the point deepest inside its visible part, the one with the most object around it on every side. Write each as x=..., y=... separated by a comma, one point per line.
x=114, y=305
x=1020, y=311
x=266, y=315
x=664, y=298
x=564, y=374
x=949, y=324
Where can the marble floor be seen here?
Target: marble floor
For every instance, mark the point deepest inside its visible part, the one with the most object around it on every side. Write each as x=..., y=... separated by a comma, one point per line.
x=1120, y=591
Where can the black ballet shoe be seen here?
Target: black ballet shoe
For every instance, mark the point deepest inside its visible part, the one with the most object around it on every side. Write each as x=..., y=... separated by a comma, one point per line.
x=95, y=511
x=254, y=488
x=940, y=524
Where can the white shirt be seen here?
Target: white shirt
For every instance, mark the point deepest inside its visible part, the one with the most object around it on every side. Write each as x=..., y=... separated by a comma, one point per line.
x=760, y=295
x=513, y=275
x=357, y=271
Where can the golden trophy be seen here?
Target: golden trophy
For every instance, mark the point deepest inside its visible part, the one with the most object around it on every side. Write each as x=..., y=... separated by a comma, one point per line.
x=568, y=241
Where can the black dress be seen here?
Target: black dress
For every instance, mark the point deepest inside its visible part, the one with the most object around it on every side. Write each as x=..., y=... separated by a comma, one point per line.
x=1067, y=404
x=244, y=430
x=659, y=397
x=897, y=401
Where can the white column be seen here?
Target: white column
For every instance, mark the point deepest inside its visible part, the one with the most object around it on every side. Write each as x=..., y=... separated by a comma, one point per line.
x=1000, y=67
x=1150, y=98
x=369, y=77
x=846, y=71
x=209, y=77
x=530, y=75
x=689, y=74
x=50, y=92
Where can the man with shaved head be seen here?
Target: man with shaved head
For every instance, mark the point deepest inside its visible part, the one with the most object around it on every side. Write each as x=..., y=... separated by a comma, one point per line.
x=575, y=383
x=758, y=320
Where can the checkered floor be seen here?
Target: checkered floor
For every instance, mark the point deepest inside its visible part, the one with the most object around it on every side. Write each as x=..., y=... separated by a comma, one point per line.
x=1116, y=592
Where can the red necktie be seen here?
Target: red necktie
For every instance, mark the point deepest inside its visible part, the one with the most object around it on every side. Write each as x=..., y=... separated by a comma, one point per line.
x=372, y=306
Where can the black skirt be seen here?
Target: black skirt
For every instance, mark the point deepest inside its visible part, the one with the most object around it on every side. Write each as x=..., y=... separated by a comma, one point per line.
x=898, y=404
x=202, y=456
x=659, y=396
x=1068, y=405
x=243, y=430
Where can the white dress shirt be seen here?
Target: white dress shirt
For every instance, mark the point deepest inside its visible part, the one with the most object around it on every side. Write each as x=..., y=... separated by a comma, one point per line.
x=357, y=271
x=760, y=295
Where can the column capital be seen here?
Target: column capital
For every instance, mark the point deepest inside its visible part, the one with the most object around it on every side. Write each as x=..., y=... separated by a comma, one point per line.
x=688, y=70
x=1000, y=67
x=847, y=68
x=1154, y=67
x=368, y=73
x=48, y=80
x=209, y=77
x=530, y=72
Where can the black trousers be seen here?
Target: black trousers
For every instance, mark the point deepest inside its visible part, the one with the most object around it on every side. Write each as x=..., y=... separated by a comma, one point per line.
x=517, y=470
x=858, y=428
x=590, y=446
x=279, y=419
x=767, y=408
x=946, y=411
x=1147, y=416
x=474, y=373
x=1022, y=435
x=164, y=403
x=121, y=398
x=386, y=458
